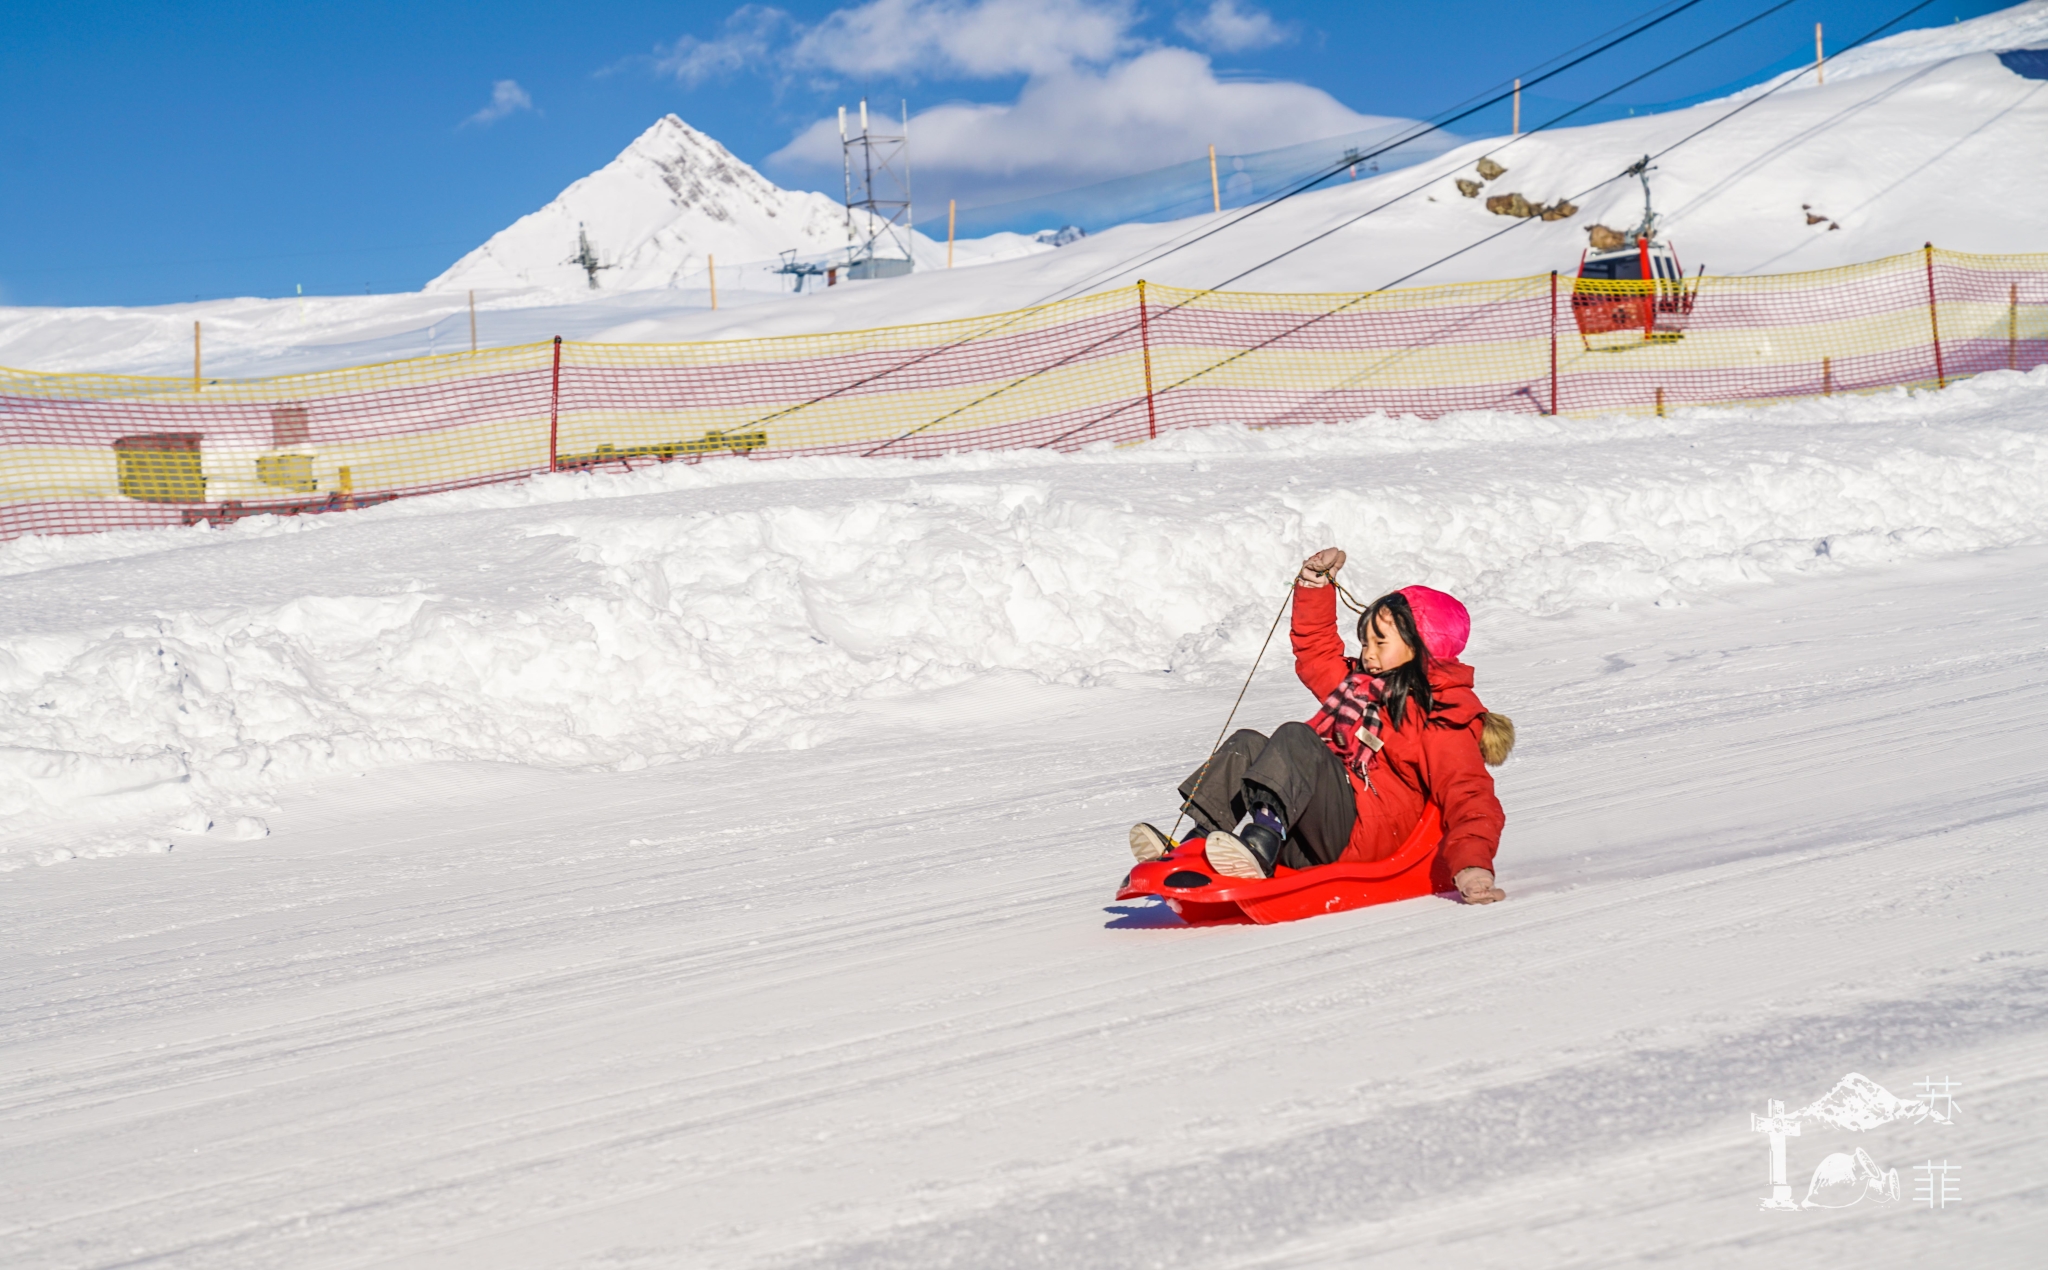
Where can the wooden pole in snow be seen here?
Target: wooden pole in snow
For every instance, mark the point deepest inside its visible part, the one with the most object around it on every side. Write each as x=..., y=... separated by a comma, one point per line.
x=2012, y=329
x=952, y=209
x=1820, y=74
x=1145, y=343
x=1215, y=190
x=1553, y=343
x=1518, y=108
x=195, y=357
x=1934, y=322
x=555, y=410
x=472, y=321
x=711, y=268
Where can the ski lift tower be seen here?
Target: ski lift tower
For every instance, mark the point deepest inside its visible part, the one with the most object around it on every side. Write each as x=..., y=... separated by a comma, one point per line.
x=801, y=270
x=879, y=215
x=586, y=257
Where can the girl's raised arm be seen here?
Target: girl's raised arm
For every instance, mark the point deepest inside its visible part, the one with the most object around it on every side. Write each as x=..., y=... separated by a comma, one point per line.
x=1319, y=660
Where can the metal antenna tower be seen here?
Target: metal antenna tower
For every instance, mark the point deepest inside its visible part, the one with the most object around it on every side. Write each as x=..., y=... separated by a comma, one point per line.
x=880, y=217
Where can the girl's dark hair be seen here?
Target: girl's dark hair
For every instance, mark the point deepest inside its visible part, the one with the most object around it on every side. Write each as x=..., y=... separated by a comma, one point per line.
x=1405, y=683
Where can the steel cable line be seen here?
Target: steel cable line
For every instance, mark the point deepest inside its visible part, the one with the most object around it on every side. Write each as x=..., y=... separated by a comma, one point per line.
x=1512, y=141
x=1626, y=172
x=1420, y=132
x=1348, y=304
x=1300, y=187
x=1177, y=243
x=1696, y=133
x=1354, y=301
x=1786, y=83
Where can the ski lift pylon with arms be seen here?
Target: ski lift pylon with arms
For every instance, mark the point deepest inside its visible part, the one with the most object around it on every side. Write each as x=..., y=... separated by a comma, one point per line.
x=586, y=257
x=1635, y=291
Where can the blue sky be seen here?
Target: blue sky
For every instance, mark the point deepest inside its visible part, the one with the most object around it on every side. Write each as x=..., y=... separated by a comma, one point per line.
x=154, y=153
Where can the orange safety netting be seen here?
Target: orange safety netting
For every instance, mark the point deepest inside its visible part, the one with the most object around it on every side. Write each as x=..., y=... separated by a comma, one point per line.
x=89, y=452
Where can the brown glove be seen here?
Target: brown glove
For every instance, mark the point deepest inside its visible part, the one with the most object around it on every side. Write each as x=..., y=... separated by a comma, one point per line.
x=1319, y=568
x=1476, y=885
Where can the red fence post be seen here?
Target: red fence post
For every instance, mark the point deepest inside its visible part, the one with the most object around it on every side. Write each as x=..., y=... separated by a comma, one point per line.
x=1145, y=342
x=1934, y=322
x=1553, y=343
x=555, y=409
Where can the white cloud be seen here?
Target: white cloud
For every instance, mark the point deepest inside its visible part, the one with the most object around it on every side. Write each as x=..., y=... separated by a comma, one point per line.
x=1229, y=29
x=749, y=40
x=1098, y=100
x=970, y=39
x=1084, y=124
x=507, y=97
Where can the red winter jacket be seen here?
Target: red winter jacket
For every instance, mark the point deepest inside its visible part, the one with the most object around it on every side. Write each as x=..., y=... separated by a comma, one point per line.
x=1423, y=759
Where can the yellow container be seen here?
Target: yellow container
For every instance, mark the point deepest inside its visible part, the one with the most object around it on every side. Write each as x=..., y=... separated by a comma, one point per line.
x=161, y=467
x=287, y=471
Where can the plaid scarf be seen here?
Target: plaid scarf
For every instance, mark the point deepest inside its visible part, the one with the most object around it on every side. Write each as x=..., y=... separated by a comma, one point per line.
x=1349, y=720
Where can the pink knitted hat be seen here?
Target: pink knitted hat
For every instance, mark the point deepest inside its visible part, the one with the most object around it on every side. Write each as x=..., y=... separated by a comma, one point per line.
x=1442, y=622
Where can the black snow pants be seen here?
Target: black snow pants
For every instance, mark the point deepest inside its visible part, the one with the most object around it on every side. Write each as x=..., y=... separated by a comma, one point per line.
x=1301, y=775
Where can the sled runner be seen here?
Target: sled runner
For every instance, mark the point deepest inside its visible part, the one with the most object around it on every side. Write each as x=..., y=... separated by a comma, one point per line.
x=1183, y=879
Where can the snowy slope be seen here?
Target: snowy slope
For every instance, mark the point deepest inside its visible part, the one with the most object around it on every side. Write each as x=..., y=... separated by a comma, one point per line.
x=2023, y=26
x=835, y=978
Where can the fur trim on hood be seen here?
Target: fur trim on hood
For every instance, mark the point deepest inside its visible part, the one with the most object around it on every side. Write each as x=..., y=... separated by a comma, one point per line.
x=1496, y=738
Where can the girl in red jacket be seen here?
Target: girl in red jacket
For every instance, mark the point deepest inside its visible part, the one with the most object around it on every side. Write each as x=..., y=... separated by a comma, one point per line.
x=1399, y=727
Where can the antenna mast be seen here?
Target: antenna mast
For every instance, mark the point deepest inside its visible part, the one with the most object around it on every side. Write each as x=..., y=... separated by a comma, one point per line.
x=881, y=247
x=846, y=170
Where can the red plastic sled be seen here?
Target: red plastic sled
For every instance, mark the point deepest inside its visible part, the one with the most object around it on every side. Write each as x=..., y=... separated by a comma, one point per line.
x=1183, y=879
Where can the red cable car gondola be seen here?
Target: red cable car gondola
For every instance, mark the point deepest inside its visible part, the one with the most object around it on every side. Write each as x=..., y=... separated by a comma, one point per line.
x=1637, y=290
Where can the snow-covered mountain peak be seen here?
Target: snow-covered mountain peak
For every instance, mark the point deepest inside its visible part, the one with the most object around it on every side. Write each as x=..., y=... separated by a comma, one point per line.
x=652, y=216
x=699, y=173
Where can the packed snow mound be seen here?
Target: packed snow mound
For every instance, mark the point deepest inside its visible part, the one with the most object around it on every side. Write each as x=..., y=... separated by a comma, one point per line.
x=672, y=198
x=621, y=620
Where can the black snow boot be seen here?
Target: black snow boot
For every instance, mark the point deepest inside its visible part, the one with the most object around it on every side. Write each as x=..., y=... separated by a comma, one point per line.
x=1251, y=852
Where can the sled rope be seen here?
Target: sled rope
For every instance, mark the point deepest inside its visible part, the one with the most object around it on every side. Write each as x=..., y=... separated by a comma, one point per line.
x=1350, y=600
x=1173, y=834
